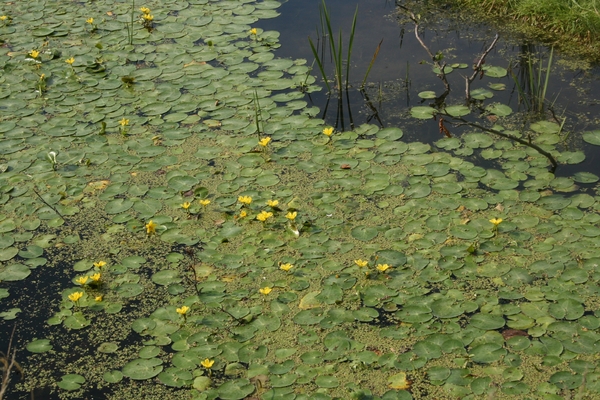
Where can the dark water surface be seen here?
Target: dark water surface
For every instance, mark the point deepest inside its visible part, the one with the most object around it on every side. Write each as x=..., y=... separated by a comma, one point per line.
x=402, y=68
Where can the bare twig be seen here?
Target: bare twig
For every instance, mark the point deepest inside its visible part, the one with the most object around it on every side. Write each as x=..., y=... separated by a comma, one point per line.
x=511, y=137
x=9, y=363
x=477, y=68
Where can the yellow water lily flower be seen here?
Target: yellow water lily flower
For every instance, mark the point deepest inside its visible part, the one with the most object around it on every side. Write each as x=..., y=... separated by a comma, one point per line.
x=266, y=290
x=264, y=215
x=286, y=266
x=264, y=141
x=34, y=53
x=207, y=363
x=243, y=213
x=90, y=20
x=75, y=296
x=245, y=199
x=361, y=263
x=82, y=280
x=3, y=17
x=383, y=267
x=496, y=221
x=96, y=277
x=70, y=61
x=151, y=227
x=145, y=10
x=124, y=122
x=98, y=298
x=183, y=310
x=291, y=215
x=204, y=202
x=186, y=205
x=148, y=17
x=328, y=131
x=272, y=203
x=99, y=264
x=253, y=31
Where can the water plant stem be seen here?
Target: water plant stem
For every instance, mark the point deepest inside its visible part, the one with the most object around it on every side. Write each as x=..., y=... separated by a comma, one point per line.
x=477, y=68
x=9, y=362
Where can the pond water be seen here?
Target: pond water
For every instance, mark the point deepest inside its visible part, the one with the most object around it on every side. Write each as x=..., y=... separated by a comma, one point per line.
x=465, y=304
x=403, y=69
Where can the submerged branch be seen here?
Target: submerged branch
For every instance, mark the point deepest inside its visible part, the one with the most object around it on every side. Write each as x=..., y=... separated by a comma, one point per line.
x=511, y=137
x=477, y=68
x=9, y=363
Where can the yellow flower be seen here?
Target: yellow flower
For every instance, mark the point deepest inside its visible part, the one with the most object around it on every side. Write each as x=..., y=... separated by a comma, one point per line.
x=291, y=215
x=264, y=141
x=82, y=280
x=147, y=17
x=496, y=221
x=99, y=264
x=3, y=18
x=70, y=61
x=34, y=53
x=243, y=213
x=98, y=298
x=207, y=363
x=264, y=215
x=383, y=267
x=328, y=131
x=151, y=227
x=96, y=277
x=75, y=296
x=145, y=10
x=272, y=203
x=124, y=122
x=266, y=290
x=90, y=20
x=253, y=31
x=204, y=202
x=286, y=266
x=245, y=199
x=42, y=77
x=361, y=263
x=186, y=205
x=183, y=310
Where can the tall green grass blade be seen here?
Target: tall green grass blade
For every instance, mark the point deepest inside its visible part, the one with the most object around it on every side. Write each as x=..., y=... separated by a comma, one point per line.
x=362, y=85
x=338, y=63
x=319, y=63
x=350, y=42
x=257, y=113
x=548, y=68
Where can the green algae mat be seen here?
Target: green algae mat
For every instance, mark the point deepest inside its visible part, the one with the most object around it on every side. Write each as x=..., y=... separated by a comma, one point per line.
x=176, y=223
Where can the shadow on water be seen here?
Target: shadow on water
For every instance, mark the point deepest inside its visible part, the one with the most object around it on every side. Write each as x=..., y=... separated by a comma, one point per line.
x=540, y=85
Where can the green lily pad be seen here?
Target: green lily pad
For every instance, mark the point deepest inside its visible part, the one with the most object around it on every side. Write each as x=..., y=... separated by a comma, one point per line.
x=39, y=346
x=143, y=368
x=14, y=272
x=71, y=382
x=365, y=233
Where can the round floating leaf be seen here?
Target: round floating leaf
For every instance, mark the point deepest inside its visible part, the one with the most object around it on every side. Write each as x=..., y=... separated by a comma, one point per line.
x=422, y=112
x=113, y=376
x=166, y=277
x=364, y=233
x=399, y=381
x=183, y=183
x=427, y=95
x=76, y=321
x=566, y=309
x=327, y=381
x=458, y=111
x=566, y=380
x=445, y=309
x=236, y=389
x=592, y=137
x=118, y=206
x=494, y=72
x=501, y=110
x=487, y=353
x=466, y=232
x=143, y=368
x=71, y=382
x=487, y=321
x=14, y=272
x=39, y=346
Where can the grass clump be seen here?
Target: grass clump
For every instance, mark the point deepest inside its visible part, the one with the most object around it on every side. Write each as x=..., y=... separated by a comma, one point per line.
x=572, y=26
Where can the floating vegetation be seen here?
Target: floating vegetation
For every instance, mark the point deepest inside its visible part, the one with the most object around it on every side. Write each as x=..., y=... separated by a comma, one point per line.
x=190, y=251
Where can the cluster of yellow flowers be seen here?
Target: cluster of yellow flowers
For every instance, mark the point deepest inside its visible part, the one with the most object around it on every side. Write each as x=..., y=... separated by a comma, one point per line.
x=364, y=263
x=147, y=18
x=263, y=216
x=83, y=280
